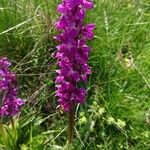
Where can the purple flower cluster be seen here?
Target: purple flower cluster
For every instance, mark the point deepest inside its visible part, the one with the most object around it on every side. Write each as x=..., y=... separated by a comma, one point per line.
x=72, y=53
x=9, y=103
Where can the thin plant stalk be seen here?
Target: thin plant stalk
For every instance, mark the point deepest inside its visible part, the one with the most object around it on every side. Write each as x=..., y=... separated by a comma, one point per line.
x=71, y=117
x=71, y=124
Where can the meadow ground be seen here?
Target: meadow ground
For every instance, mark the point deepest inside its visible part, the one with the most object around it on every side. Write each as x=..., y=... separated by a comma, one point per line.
x=116, y=115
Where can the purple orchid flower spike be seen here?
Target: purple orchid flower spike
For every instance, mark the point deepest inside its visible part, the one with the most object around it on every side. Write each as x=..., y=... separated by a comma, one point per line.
x=72, y=53
x=10, y=104
x=72, y=57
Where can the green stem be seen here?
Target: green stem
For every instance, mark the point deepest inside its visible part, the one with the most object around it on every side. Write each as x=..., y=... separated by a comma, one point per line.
x=12, y=123
x=71, y=125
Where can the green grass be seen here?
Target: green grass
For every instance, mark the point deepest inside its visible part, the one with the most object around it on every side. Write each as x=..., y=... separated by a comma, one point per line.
x=118, y=101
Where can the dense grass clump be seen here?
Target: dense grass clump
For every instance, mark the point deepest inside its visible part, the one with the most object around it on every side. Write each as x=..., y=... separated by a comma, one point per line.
x=116, y=115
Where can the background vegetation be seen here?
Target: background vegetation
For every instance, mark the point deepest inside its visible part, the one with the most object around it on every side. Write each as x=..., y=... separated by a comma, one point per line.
x=116, y=115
